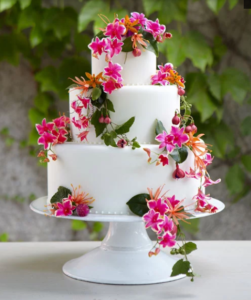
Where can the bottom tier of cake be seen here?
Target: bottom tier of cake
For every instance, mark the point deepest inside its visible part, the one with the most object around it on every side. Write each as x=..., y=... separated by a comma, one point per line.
x=113, y=175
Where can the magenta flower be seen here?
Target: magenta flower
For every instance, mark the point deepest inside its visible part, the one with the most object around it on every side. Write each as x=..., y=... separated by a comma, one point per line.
x=97, y=46
x=76, y=123
x=46, y=139
x=113, y=70
x=60, y=136
x=152, y=220
x=209, y=181
x=159, y=78
x=109, y=86
x=155, y=28
x=76, y=107
x=139, y=17
x=83, y=135
x=168, y=226
x=113, y=47
x=167, y=239
x=179, y=137
x=118, y=83
x=166, y=140
x=60, y=122
x=166, y=68
x=173, y=201
x=158, y=206
x=163, y=159
x=84, y=121
x=45, y=127
x=201, y=196
x=65, y=208
x=115, y=30
x=85, y=101
x=208, y=159
x=193, y=174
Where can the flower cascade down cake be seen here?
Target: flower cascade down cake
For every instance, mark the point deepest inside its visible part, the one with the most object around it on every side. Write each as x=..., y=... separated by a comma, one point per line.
x=130, y=133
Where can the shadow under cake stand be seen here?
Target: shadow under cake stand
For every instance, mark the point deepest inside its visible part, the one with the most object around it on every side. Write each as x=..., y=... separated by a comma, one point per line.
x=122, y=257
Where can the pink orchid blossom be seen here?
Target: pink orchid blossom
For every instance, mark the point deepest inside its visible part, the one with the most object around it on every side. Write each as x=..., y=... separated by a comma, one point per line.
x=46, y=139
x=97, y=46
x=109, y=86
x=159, y=78
x=118, y=83
x=83, y=135
x=60, y=122
x=85, y=101
x=76, y=123
x=179, y=136
x=158, y=206
x=65, y=208
x=166, y=68
x=173, y=201
x=113, y=47
x=45, y=127
x=113, y=70
x=60, y=136
x=155, y=28
x=139, y=17
x=209, y=181
x=168, y=226
x=152, y=220
x=193, y=174
x=163, y=159
x=202, y=198
x=77, y=108
x=208, y=159
x=167, y=239
x=115, y=30
x=166, y=140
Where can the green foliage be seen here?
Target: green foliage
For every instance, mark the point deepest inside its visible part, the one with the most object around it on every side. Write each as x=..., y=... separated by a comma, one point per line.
x=97, y=227
x=138, y=205
x=124, y=128
x=4, y=237
x=235, y=179
x=189, y=247
x=246, y=161
x=159, y=127
x=62, y=193
x=192, y=227
x=179, y=155
x=246, y=126
x=99, y=127
x=180, y=267
x=78, y=225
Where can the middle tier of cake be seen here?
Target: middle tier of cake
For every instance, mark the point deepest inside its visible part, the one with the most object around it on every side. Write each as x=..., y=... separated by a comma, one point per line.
x=113, y=175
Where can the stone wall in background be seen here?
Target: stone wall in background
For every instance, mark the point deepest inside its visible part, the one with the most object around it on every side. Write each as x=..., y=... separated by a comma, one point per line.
x=20, y=175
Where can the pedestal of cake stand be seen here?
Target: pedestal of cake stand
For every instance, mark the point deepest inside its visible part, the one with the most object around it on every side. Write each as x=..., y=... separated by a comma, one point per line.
x=123, y=258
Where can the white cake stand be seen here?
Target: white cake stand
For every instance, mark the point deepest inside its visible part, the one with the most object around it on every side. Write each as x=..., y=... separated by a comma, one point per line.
x=122, y=257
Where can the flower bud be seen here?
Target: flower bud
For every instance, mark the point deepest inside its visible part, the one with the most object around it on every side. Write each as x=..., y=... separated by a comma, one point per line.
x=101, y=119
x=178, y=173
x=46, y=160
x=167, y=35
x=176, y=120
x=41, y=154
x=53, y=156
x=136, y=52
x=83, y=210
x=188, y=129
x=122, y=143
x=194, y=128
x=157, y=251
x=181, y=91
x=107, y=120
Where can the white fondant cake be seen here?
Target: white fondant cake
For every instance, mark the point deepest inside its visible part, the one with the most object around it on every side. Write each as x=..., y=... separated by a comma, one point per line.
x=112, y=175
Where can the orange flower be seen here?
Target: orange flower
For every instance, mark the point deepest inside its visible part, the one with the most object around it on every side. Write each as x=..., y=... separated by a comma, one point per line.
x=177, y=212
x=83, y=86
x=157, y=193
x=80, y=197
x=174, y=78
x=138, y=37
x=129, y=25
x=94, y=80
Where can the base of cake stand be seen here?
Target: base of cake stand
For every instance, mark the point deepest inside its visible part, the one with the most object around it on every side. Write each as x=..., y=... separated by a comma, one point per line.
x=123, y=258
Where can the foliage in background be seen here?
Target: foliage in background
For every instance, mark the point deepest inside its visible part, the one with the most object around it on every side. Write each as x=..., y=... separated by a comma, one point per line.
x=54, y=39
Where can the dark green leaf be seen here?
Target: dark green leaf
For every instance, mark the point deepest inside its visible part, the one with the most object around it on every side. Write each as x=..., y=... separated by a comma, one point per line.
x=124, y=128
x=9, y=49
x=4, y=131
x=6, y=4
x=99, y=127
x=135, y=144
x=78, y=225
x=152, y=44
x=109, y=139
x=24, y=3
x=214, y=83
x=180, y=267
x=179, y=155
x=235, y=179
x=35, y=116
x=215, y=5
x=100, y=35
x=110, y=105
x=159, y=128
x=96, y=92
x=176, y=52
x=189, y=247
x=138, y=205
x=81, y=41
x=97, y=226
x=100, y=101
x=127, y=47
x=48, y=79
x=36, y=36
x=246, y=126
x=62, y=193
x=192, y=227
x=246, y=161
x=232, y=3
x=43, y=101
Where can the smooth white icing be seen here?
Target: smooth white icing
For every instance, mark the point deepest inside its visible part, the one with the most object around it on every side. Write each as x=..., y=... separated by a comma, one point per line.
x=145, y=103
x=136, y=70
x=112, y=175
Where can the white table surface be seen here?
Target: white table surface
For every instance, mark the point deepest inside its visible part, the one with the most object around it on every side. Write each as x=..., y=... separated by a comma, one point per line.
x=33, y=271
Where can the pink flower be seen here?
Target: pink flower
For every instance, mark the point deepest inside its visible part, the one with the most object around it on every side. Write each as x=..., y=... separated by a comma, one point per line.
x=152, y=220
x=97, y=46
x=65, y=208
x=173, y=201
x=179, y=136
x=193, y=174
x=166, y=140
x=76, y=123
x=139, y=17
x=158, y=206
x=46, y=139
x=113, y=70
x=85, y=101
x=167, y=239
x=113, y=47
x=168, y=226
x=83, y=135
x=163, y=159
x=84, y=121
x=115, y=30
x=118, y=83
x=201, y=198
x=209, y=181
x=60, y=136
x=76, y=107
x=53, y=156
x=208, y=159
x=61, y=121
x=45, y=127
x=109, y=86
x=121, y=143
x=155, y=28
x=159, y=78
x=166, y=68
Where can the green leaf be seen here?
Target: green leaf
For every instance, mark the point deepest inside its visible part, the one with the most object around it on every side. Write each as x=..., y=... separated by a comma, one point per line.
x=246, y=126
x=36, y=36
x=9, y=141
x=35, y=116
x=192, y=227
x=97, y=226
x=96, y=92
x=48, y=79
x=159, y=128
x=99, y=127
x=62, y=193
x=232, y=3
x=89, y=11
x=180, y=267
x=6, y=4
x=9, y=49
x=78, y=225
x=4, y=237
x=152, y=44
x=151, y=6
x=109, y=139
x=214, y=82
x=235, y=179
x=43, y=101
x=189, y=247
x=246, y=161
x=138, y=205
x=33, y=137
x=127, y=47
x=219, y=49
x=4, y=131
x=81, y=41
x=110, y=105
x=124, y=128
x=24, y=3
x=29, y=17
x=176, y=51
x=135, y=144
x=215, y=5
x=179, y=155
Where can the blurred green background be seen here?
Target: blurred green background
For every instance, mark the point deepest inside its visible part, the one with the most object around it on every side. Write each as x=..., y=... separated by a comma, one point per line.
x=48, y=39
